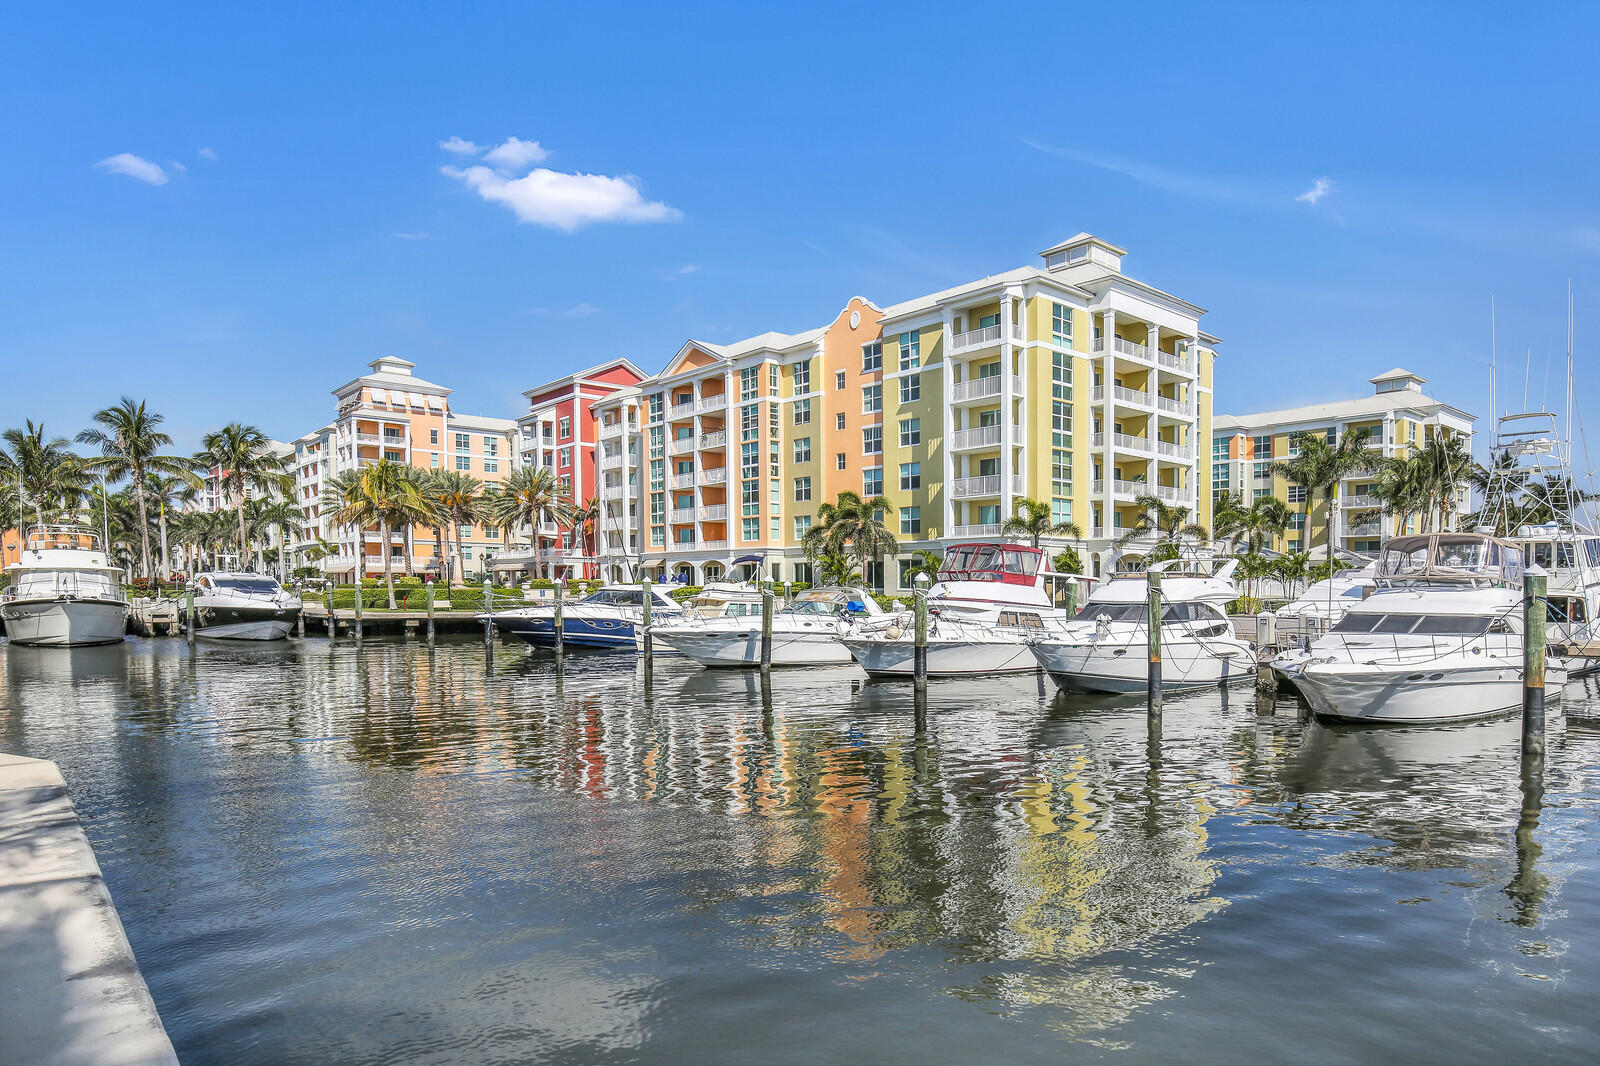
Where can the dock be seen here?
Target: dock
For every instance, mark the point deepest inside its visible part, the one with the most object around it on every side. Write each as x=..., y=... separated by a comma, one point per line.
x=71, y=993
x=382, y=623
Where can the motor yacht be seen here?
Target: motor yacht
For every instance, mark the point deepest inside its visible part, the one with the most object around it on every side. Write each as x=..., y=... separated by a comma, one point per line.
x=990, y=599
x=1105, y=647
x=804, y=632
x=1438, y=640
x=606, y=618
x=241, y=606
x=1310, y=615
x=64, y=592
x=720, y=599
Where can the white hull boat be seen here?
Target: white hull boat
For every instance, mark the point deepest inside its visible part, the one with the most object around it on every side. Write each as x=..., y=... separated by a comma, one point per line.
x=947, y=657
x=804, y=633
x=230, y=606
x=64, y=592
x=1186, y=665
x=59, y=623
x=1447, y=692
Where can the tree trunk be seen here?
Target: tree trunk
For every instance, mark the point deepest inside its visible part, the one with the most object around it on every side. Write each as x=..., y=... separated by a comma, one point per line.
x=166, y=557
x=244, y=540
x=461, y=560
x=144, y=519
x=388, y=567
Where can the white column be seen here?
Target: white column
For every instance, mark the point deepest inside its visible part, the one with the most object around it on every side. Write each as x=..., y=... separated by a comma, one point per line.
x=1007, y=402
x=1108, y=357
x=948, y=414
x=1152, y=424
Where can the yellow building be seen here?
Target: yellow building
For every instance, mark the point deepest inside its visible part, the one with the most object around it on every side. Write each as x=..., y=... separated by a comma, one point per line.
x=1394, y=419
x=1068, y=383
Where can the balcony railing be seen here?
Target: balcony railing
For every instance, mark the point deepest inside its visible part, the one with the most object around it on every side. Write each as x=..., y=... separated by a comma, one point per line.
x=714, y=512
x=715, y=439
x=981, y=437
x=963, y=488
x=1124, y=490
x=681, y=481
x=714, y=545
x=681, y=515
x=608, y=430
x=611, y=462
x=716, y=475
x=980, y=529
x=1360, y=502
x=1181, y=363
x=712, y=403
x=982, y=338
x=1131, y=397
x=1168, y=450
x=368, y=438
x=978, y=388
x=682, y=410
x=680, y=445
x=1170, y=406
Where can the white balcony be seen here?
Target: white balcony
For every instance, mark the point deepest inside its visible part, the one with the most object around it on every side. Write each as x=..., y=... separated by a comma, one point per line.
x=714, y=545
x=611, y=430
x=1169, y=406
x=1358, y=503
x=707, y=404
x=981, y=437
x=681, y=515
x=681, y=481
x=1180, y=452
x=981, y=388
x=1365, y=529
x=1127, y=397
x=1122, y=442
x=715, y=439
x=1169, y=493
x=986, y=337
x=1122, y=490
x=611, y=462
x=714, y=512
x=966, y=488
x=716, y=475
x=680, y=445
x=368, y=438
x=982, y=529
x=680, y=411
x=1181, y=363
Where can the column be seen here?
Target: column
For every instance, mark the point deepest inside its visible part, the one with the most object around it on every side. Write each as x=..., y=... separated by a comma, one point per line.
x=1108, y=358
x=1197, y=440
x=1152, y=424
x=1007, y=403
x=948, y=413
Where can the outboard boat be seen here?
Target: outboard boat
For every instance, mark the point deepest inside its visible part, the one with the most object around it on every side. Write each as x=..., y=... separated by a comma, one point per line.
x=804, y=633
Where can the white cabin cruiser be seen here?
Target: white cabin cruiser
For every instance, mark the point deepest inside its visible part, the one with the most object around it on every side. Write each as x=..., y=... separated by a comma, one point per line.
x=241, y=606
x=804, y=633
x=720, y=599
x=1310, y=615
x=1440, y=640
x=1104, y=648
x=64, y=592
x=606, y=618
x=989, y=600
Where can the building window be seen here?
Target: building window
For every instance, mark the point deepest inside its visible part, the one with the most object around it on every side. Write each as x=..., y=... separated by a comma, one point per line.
x=564, y=457
x=1219, y=448
x=872, y=440
x=463, y=442
x=1061, y=511
x=491, y=446
x=772, y=379
x=1297, y=494
x=838, y=420
x=750, y=421
x=910, y=476
x=1061, y=325
x=911, y=350
x=491, y=533
x=433, y=436
x=871, y=399
x=802, y=489
x=802, y=526
x=464, y=532
x=838, y=380
x=800, y=377
x=910, y=521
x=655, y=402
x=1061, y=474
x=872, y=481
x=841, y=462
x=802, y=449
x=434, y=456
x=750, y=528
x=911, y=388
x=564, y=429
x=1263, y=471
x=750, y=459
x=989, y=514
x=463, y=462
x=394, y=457
x=872, y=357
x=910, y=432
x=466, y=551
x=1061, y=424
x=491, y=466
x=802, y=412
x=1261, y=447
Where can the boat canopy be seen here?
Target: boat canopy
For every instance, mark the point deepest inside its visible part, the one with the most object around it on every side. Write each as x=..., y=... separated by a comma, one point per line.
x=1014, y=564
x=71, y=538
x=1450, y=557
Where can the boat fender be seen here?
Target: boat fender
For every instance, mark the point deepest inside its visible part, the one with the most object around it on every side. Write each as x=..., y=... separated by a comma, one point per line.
x=893, y=633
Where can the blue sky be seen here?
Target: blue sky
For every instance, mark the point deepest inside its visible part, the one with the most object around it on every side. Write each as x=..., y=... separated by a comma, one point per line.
x=282, y=211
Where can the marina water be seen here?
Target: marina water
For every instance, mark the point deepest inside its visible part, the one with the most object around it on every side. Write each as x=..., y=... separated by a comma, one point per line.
x=456, y=854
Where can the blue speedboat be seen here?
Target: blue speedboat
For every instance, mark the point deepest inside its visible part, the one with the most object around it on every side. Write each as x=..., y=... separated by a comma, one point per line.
x=603, y=619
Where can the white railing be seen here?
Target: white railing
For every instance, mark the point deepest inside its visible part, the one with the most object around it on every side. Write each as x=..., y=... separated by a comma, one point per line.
x=982, y=529
x=681, y=515
x=1181, y=363
x=368, y=438
x=713, y=403
x=978, y=388
x=1175, y=407
x=1360, y=501
x=611, y=462
x=980, y=338
x=962, y=488
x=682, y=410
x=715, y=439
x=1120, y=488
x=610, y=429
x=1131, y=397
x=1174, y=451
x=1370, y=529
x=1098, y=533
x=714, y=512
x=714, y=545
x=981, y=437
x=717, y=475
x=1170, y=493
x=680, y=445
x=681, y=481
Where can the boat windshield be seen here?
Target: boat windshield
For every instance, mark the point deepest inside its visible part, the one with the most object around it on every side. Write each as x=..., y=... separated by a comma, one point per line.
x=1012, y=563
x=1430, y=625
x=250, y=586
x=1138, y=612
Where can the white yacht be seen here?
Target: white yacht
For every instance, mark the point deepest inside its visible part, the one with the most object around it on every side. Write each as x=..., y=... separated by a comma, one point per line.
x=1310, y=615
x=804, y=633
x=1439, y=640
x=606, y=618
x=990, y=599
x=720, y=599
x=64, y=591
x=240, y=606
x=1104, y=648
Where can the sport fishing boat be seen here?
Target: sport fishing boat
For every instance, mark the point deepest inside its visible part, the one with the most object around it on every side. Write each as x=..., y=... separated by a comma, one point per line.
x=240, y=606
x=720, y=599
x=64, y=592
x=1104, y=648
x=606, y=618
x=804, y=633
x=1439, y=640
x=990, y=599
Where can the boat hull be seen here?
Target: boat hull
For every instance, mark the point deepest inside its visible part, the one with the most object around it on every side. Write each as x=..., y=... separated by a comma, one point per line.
x=578, y=632
x=1359, y=694
x=245, y=623
x=1100, y=668
x=735, y=648
x=946, y=658
x=65, y=623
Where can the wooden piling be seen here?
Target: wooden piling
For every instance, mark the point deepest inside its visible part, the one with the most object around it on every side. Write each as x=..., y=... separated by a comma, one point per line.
x=645, y=615
x=1535, y=584
x=327, y=603
x=428, y=588
x=488, y=607
x=1152, y=695
x=188, y=610
x=766, y=628
x=919, y=640
x=560, y=618
x=358, y=607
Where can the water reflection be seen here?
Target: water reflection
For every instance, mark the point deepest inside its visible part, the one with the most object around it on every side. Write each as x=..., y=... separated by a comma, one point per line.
x=1041, y=856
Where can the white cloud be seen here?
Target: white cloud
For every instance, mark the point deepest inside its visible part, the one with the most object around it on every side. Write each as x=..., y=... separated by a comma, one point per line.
x=134, y=167
x=1184, y=184
x=208, y=153
x=1319, y=188
x=515, y=155
x=675, y=273
x=460, y=147
x=565, y=201
x=179, y=167
x=411, y=236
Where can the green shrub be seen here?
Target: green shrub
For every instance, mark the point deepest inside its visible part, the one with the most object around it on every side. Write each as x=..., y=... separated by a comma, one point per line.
x=1245, y=605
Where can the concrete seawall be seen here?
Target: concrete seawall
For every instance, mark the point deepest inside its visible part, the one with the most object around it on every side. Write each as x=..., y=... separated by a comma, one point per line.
x=70, y=990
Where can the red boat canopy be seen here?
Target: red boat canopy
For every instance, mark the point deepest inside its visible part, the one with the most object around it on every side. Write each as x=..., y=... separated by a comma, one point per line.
x=1015, y=564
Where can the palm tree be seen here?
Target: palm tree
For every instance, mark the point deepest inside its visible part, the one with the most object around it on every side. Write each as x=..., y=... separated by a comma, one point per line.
x=1320, y=466
x=130, y=441
x=837, y=567
x=43, y=469
x=165, y=492
x=1264, y=520
x=267, y=517
x=853, y=523
x=584, y=519
x=1291, y=568
x=242, y=457
x=384, y=494
x=1169, y=525
x=529, y=496
x=1229, y=519
x=925, y=563
x=1035, y=520
x=460, y=500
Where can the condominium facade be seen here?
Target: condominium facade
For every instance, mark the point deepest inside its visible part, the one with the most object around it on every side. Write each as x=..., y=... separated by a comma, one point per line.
x=1395, y=418
x=1068, y=383
x=392, y=414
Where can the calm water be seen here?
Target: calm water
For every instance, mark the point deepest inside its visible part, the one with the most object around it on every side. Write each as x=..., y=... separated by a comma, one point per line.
x=446, y=856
